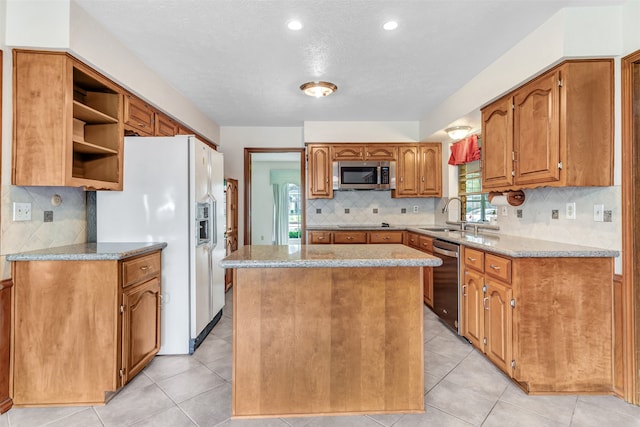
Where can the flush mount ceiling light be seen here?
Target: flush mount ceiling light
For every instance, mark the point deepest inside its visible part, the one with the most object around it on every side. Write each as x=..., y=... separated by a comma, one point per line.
x=458, y=132
x=318, y=89
x=294, y=25
x=390, y=26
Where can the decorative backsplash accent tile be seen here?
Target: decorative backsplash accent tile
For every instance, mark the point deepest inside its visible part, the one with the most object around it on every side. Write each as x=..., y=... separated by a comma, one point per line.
x=68, y=225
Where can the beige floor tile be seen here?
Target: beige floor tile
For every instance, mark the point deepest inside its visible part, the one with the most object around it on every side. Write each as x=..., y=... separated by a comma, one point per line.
x=438, y=365
x=345, y=421
x=505, y=414
x=172, y=417
x=213, y=348
x=463, y=403
x=190, y=383
x=163, y=367
x=477, y=373
x=450, y=345
x=587, y=415
x=132, y=406
x=386, y=420
x=612, y=403
x=558, y=408
x=85, y=418
x=210, y=408
x=433, y=417
x=265, y=422
x=32, y=417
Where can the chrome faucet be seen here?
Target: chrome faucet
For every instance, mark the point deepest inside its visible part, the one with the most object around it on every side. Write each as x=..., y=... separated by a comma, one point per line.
x=446, y=209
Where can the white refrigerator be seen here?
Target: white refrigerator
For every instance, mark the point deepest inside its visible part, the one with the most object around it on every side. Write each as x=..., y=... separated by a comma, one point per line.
x=174, y=193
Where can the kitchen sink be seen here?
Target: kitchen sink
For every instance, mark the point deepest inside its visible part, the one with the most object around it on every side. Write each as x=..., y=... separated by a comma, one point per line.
x=438, y=229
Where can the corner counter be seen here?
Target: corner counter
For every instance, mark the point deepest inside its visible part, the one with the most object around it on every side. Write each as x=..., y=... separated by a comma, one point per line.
x=85, y=321
x=327, y=329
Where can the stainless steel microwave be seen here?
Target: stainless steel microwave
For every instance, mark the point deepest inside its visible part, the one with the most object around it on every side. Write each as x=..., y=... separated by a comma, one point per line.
x=364, y=175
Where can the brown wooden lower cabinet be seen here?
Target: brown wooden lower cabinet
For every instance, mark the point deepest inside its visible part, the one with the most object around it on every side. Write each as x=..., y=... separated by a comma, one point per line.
x=5, y=334
x=317, y=237
x=546, y=322
x=82, y=329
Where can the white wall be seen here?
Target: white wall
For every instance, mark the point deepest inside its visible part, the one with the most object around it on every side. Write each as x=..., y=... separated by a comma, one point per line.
x=62, y=25
x=361, y=131
x=234, y=139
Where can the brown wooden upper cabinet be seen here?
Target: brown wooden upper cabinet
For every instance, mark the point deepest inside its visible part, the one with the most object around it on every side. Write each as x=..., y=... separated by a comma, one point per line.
x=319, y=171
x=419, y=170
x=68, y=128
x=556, y=130
x=373, y=152
x=138, y=116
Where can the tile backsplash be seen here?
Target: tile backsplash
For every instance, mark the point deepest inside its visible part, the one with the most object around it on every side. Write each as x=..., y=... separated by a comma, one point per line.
x=369, y=208
x=68, y=226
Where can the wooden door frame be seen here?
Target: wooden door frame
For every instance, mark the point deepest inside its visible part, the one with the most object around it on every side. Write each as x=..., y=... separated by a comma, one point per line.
x=247, y=187
x=630, y=174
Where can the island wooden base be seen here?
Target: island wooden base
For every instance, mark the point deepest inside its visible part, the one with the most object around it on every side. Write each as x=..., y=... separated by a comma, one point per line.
x=327, y=341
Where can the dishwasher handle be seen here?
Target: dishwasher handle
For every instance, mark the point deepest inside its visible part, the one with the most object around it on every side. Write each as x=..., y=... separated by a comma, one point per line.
x=437, y=250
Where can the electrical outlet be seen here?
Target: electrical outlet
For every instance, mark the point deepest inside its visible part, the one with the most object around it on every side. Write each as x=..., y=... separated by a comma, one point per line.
x=22, y=211
x=555, y=214
x=598, y=213
x=415, y=209
x=571, y=210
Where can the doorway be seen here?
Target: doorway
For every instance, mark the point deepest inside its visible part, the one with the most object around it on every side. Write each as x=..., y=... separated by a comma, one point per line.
x=631, y=223
x=274, y=194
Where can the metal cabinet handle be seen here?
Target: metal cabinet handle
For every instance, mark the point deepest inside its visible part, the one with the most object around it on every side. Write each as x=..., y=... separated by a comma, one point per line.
x=423, y=179
x=464, y=290
x=145, y=267
x=321, y=238
x=385, y=238
x=349, y=238
x=495, y=267
x=484, y=301
x=471, y=259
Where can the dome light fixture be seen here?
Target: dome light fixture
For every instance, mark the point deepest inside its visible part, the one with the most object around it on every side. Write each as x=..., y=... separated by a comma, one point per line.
x=390, y=25
x=318, y=89
x=458, y=132
x=294, y=25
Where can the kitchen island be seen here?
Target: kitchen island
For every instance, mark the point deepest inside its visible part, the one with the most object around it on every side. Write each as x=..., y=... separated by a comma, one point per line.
x=327, y=329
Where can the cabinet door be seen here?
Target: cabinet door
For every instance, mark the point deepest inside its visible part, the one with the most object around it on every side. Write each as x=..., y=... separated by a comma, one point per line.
x=497, y=144
x=497, y=324
x=428, y=286
x=430, y=164
x=380, y=152
x=232, y=205
x=472, y=309
x=536, y=131
x=140, y=326
x=407, y=171
x=319, y=170
x=5, y=350
x=164, y=126
x=347, y=152
x=138, y=116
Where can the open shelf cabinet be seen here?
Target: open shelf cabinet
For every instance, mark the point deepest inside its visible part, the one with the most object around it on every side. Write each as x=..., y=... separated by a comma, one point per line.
x=68, y=128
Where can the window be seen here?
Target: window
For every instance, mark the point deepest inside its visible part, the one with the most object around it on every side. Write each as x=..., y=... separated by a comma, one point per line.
x=294, y=212
x=475, y=204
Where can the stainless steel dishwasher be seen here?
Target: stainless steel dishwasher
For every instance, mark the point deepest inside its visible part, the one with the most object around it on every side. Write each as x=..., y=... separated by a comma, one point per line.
x=446, y=283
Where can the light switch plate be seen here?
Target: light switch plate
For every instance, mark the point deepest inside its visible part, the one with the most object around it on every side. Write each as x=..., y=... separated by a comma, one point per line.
x=571, y=210
x=598, y=213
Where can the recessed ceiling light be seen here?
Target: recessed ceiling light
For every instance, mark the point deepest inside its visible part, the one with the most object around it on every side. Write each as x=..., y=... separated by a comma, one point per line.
x=318, y=89
x=294, y=25
x=391, y=25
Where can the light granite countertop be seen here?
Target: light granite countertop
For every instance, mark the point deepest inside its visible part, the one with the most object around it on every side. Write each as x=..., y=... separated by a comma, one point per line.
x=89, y=252
x=504, y=244
x=328, y=256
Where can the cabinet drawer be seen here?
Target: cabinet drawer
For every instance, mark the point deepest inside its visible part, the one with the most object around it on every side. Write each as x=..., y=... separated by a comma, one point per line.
x=385, y=237
x=426, y=244
x=474, y=259
x=413, y=240
x=498, y=267
x=319, y=237
x=137, y=269
x=350, y=237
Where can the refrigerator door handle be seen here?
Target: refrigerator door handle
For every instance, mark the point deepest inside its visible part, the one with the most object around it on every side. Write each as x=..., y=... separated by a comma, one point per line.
x=214, y=222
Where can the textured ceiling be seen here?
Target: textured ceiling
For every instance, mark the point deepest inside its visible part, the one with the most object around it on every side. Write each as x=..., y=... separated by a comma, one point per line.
x=237, y=61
